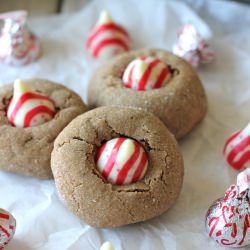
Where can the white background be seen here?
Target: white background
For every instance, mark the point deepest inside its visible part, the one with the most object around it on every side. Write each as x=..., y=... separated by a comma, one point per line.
x=42, y=220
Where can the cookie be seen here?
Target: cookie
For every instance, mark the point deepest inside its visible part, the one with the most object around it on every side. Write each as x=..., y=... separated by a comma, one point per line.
x=92, y=196
x=27, y=151
x=179, y=100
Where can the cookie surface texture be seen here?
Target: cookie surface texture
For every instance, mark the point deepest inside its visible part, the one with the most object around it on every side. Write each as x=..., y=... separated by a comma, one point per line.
x=93, y=198
x=27, y=151
x=181, y=104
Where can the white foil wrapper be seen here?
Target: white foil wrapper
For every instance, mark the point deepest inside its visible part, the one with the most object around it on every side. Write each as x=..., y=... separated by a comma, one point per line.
x=18, y=46
x=192, y=47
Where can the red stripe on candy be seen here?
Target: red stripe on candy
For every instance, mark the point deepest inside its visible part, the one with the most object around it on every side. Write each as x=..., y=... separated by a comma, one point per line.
x=140, y=168
x=40, y=109
x=161, y=78
x=111, y=41
x=128, y=165
x=103, y=28
x=4, y=216
x=25, y=97
x=242, y=161
x=143, y=81
x=99, y=153
x=112, y=158
x=5, y=231
x=234, y=151
x=230, y=139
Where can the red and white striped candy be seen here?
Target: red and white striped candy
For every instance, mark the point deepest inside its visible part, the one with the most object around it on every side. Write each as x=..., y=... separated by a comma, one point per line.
x=237, y=149
x=7, y=227
x=122, y=161
x=107, y=39
x=146, y=73
x=27, y=108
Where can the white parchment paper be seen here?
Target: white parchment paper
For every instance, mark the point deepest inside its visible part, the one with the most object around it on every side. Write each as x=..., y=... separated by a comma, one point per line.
x=42, y=220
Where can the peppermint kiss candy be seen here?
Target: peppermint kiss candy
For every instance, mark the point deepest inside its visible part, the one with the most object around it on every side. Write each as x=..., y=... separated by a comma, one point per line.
x=237, y=149
x=192, y=47
x=122, y=161
x=146, y=73
x=228, y=219
x=107, y=38
x=107, y=246
x=18, y=46
x=7, y=228
x=27, y=108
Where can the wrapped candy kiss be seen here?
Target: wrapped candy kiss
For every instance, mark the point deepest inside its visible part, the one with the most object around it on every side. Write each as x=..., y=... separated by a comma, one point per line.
x=192, y=47
x=18, y=46
x=7, y=228
x=228, y=218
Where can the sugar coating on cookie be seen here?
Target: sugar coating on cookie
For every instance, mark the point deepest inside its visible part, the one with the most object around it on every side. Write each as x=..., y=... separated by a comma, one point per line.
x=27, y=108
x=122, y=161
x=237, y=149
x=7, y=227
x=146, y=73
x=107, y=38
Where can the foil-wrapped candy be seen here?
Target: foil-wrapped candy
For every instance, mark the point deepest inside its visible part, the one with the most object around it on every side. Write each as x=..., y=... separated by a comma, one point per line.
x=18, y=46
x=192, y=47
x=228, y=218
x=7, y=227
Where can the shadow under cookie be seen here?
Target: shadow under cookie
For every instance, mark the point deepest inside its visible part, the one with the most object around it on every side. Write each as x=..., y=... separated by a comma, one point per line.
x=27, y=151
x=89, y=194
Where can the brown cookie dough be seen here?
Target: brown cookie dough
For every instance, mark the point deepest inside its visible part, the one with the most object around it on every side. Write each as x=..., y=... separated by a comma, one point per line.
x=27, y=151
x=89, y=195
x=181, y=104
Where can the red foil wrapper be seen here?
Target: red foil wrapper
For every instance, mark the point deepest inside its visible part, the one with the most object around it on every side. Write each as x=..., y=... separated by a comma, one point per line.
x=228, y=218
x=192, y=47
x=18, y=46
x=7, y=228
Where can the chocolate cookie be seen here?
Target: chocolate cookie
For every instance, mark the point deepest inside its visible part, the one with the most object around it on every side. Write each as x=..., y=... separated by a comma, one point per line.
x=27, y=151
x=90, y=193
x=179, y=101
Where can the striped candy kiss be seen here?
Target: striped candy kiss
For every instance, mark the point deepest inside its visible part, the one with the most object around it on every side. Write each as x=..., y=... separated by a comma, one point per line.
x=237, y=149
x=28, y=109
x=122, y=161
x=107, y=39
x=7, y=227
x=146, y=73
